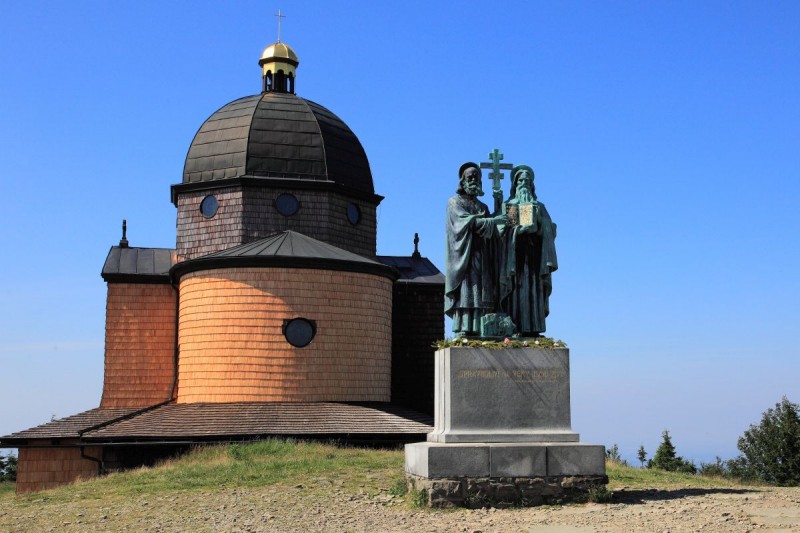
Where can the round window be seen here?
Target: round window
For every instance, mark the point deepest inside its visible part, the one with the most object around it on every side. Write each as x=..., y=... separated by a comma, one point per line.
x=209, y=206
x=353, y=213
x=299, y=332
x=287, y=204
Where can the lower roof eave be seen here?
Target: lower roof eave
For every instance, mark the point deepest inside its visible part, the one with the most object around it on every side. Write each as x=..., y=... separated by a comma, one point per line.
x=388, y=438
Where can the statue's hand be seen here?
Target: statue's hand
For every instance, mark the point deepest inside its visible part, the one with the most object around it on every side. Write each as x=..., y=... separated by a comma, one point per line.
x=530, y=228
x=500, y=219
x=497, y=194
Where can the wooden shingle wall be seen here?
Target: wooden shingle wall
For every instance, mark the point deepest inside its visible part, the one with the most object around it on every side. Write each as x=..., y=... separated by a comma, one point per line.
x=247, y=214
x=232, y=348
x=322, y=216
x=197, y=235
x=48, y=468
x=140, y=344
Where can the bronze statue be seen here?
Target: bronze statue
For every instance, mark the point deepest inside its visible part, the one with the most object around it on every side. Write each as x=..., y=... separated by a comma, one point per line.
x=528, y=258
x=498, y=266
x=473, y=241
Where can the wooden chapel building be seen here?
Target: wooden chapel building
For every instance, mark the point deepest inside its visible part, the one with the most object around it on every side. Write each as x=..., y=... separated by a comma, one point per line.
x=273, y=315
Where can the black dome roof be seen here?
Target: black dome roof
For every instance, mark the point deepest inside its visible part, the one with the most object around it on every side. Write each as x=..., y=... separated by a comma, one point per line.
x=277, y=135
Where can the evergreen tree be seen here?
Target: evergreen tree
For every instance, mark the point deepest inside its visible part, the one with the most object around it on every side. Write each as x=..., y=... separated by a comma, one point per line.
x=665, y=457
x=612, y=454
x=8, y=468
x=642, y=455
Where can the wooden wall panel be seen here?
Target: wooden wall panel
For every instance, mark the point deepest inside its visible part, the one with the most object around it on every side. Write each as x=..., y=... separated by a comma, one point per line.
x=140, y=344
x=48, y=468
x=232, y=347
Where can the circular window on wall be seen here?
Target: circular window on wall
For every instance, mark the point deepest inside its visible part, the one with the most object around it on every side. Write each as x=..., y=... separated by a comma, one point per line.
x=353, y=213
x=299, y=332
x=209, y=206
x=287, y=204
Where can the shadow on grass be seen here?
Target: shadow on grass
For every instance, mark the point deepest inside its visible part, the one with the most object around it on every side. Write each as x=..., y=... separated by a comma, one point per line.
x=650, y=495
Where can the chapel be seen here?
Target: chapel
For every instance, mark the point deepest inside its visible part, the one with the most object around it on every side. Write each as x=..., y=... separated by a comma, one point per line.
x=272, y=316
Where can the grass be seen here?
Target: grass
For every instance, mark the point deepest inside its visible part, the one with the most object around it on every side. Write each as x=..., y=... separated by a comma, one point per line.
x=263, y=463
x=620, y=475
x=6, y=487
x=316, y=466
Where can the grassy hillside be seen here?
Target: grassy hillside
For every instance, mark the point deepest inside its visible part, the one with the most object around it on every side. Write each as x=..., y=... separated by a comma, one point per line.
x=289, y=463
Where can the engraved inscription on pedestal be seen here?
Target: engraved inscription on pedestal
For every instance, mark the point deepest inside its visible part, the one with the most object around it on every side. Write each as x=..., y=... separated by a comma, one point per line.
x=509, y=395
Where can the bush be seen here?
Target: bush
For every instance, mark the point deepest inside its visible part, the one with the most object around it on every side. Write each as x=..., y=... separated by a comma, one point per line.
x=719, y=468
x=665, y=457
x=600, y=494
x=771, y=450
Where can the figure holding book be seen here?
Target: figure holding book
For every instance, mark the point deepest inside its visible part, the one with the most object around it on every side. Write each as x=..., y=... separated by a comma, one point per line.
x=529, y=256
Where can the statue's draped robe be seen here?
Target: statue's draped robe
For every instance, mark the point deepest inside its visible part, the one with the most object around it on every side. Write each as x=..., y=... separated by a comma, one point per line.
x=525, y=266
x=471, y=264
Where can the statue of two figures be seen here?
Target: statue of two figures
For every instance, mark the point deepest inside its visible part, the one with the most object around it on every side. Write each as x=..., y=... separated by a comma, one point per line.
x=499, y=262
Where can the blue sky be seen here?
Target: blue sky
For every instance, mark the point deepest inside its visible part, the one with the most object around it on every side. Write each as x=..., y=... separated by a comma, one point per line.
x=664, y=137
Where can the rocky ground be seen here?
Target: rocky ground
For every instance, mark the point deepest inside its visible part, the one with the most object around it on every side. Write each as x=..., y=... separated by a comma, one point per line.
x=322, y=506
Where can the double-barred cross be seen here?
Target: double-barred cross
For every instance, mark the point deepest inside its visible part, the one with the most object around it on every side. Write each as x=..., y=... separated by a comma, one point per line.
x=495, y=175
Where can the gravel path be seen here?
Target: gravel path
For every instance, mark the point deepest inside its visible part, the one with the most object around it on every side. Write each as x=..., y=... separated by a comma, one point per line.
x=321, y=506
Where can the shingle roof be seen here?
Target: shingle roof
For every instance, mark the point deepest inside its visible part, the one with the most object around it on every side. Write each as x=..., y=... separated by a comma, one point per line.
x=277, y=135
x=224, y=421
x=286, y=249
x=138, y=264
x=68, y=427
x=413, y=269
x=245, y=419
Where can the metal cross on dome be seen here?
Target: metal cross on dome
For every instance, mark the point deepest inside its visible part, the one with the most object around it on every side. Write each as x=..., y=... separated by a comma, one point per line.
x=279, y=23
x=495, y=175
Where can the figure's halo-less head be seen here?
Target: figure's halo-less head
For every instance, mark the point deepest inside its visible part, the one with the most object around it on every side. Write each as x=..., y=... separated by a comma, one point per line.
x=517, y=169
x=467, y=165
x=462, y=170
x=515, y=177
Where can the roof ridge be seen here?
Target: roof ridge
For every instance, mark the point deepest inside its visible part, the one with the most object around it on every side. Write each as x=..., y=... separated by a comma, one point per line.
x=319, y=129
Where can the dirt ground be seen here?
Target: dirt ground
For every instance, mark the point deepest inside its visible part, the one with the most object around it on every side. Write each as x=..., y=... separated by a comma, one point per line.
x=321, y=506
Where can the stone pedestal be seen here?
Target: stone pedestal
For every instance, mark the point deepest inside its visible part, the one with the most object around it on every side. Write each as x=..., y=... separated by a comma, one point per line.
x=503, y=433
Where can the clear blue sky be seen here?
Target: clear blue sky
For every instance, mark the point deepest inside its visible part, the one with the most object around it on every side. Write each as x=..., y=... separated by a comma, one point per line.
x=664, y=137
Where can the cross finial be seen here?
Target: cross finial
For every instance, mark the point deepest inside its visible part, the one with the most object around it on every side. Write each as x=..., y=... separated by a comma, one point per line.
x=123, y=242
x=279, y=23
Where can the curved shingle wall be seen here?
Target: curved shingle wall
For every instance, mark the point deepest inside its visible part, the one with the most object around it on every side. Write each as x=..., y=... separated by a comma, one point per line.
x=232, y=347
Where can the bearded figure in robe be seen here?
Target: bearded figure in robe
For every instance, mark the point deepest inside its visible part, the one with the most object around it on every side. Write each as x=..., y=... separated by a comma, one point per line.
x=473, y=240
x=529, y=257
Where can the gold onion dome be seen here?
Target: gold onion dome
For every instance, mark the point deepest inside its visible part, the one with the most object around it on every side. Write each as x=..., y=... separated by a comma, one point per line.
x=278, y=63
x=277, y=51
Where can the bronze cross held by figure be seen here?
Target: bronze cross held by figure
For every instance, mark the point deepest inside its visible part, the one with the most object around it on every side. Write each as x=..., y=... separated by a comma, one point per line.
x=495, y=175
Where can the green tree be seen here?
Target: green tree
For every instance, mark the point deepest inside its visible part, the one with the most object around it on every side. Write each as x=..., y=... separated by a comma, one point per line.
x=8, y=468
x=641, y=455
x=612, y=454
x=666, y=458
x=771, y=450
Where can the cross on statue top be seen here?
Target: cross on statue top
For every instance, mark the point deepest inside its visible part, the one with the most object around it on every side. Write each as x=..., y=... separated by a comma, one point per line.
x=279, y=23
x=495, y=175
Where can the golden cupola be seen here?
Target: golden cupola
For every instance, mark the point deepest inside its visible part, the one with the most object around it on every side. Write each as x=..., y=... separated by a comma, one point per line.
x=278, y=63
